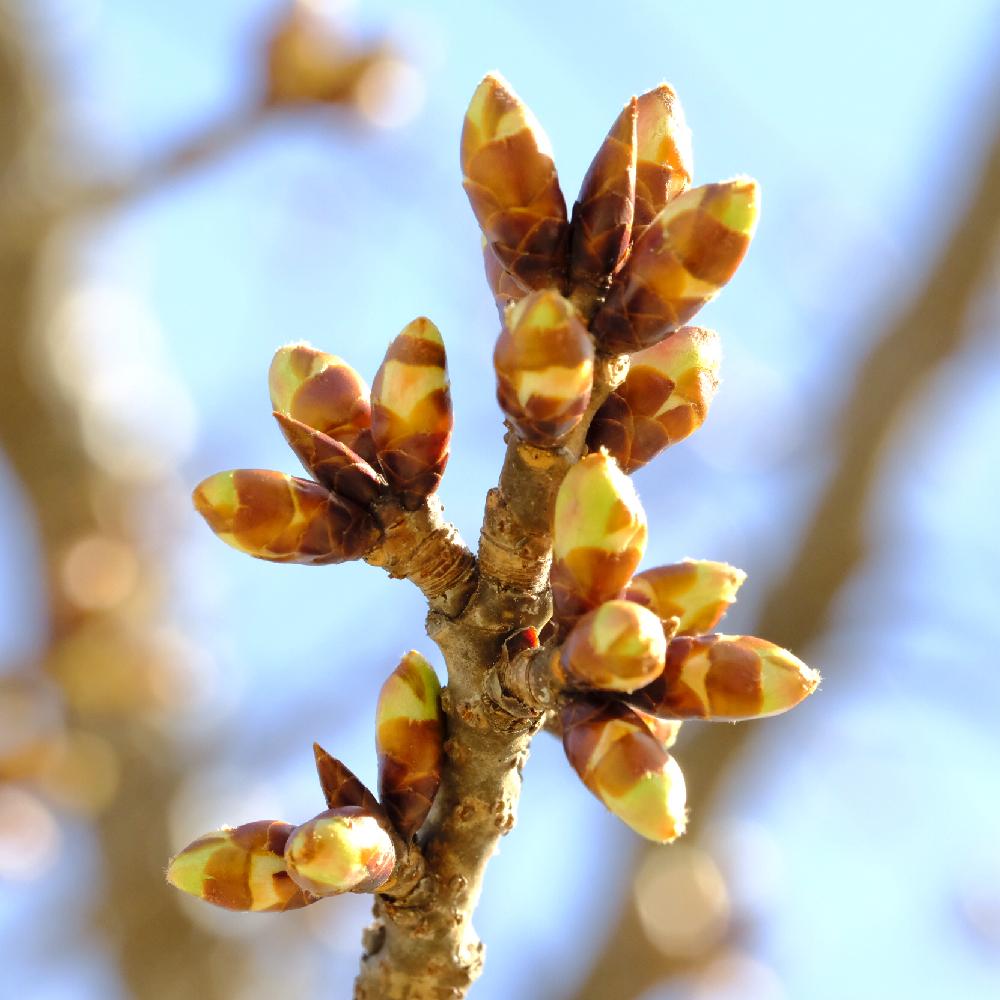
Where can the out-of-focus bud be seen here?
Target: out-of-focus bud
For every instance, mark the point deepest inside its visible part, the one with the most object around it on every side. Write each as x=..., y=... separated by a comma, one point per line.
x=240, y=869
x=513, y=187
x=323, y=392
x=274, y=516
x=340, y=850
x=308, y=61
x=682, y=260
x=341, y=787
x=505, y=287
x=697, y=591
x=334, y=464
x=726, y=678
x=626, y=767
x=598, y=536
x=544, y=360
x=602, y=216
x=664, y=163
x=619, y=646
x=411, y=412
x=409, y=737
x=664, y=398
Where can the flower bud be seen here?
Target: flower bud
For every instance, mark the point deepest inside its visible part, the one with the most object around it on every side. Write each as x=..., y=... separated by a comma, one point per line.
x=273, y=516
x=626, y=767
x=602, y=216
x=726, y=678
x=664, y=398
x=505, y=287
x=513, y=187
x=598, y=536
x=340, y=850
x=409, y=736
x=664, y=163
x=681, y=261
x=619, y=646
x=341, y=787
x=333, y=464
x=697, y=591
x=240, y=869
x=323, y=392
x=411, y=412
x=544, y=360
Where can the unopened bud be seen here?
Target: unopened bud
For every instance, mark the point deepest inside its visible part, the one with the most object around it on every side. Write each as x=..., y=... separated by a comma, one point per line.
x=544, y=361
x=411, y=412
x=664, y=163
x=664, y=398
x=726, y=678
x=626, y=767
x=340, y=850
x=697, y=591
x=240, y=869
x=513, y=187
x=598, y=536
x=602, y=216
x=409, y=737
x=323, y=392
x=274, y=516
x=619, y=646
x=681, y=261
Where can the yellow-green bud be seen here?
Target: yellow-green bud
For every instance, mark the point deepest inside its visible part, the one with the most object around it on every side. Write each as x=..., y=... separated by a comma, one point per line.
x=697, y=591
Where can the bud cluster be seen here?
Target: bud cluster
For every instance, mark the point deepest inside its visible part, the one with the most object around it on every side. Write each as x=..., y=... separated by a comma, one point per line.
x=358, y=446
x=356, y=843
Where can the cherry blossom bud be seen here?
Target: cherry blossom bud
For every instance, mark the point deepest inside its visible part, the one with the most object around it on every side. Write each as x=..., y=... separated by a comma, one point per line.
x=664, y=398
x=680, y=262
x=697, y=591
x=726, y=678
x=341, y=787
x=544, y=362
x=619, y=646
x=340, y=850
x=409, y=736
x=513, y=187
x=625, y=766
x=273, y=516
x=240, y=869
x=598, y=536
x=411, y=412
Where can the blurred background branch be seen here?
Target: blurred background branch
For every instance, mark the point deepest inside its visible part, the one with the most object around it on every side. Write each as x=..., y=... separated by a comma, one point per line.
x=921, y=336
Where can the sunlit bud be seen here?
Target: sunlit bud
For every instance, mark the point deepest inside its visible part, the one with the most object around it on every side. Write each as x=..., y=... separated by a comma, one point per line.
x=666, y=731
x=340, y=850
x=505, y=287
x=726, y=678
x=619, y=646
x=598, y=536
x=341, y=787
x=309, y=61
x=664, y=163
x=544, y=361
x=240, y=869
x=409, y=735
x=664, y=398
x=697, y=591
x=626, y=767
x=270, y=515
x=323, y=392
x=333, y=464
x=411, y=412
x=512, y=185
x=602, y=216
x=681, y=261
